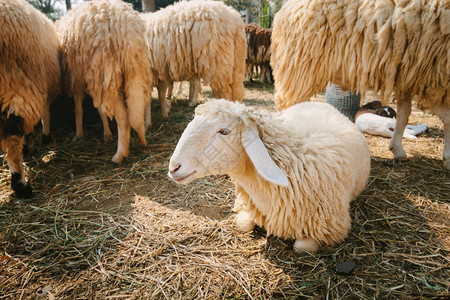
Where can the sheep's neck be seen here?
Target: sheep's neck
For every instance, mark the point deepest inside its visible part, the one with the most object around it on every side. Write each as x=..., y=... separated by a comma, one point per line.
x=259, y=190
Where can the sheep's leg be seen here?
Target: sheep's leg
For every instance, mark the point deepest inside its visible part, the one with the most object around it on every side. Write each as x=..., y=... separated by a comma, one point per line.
x=263, y=74
x=136, y=109
x=107, y=134
x=123, y=129
x=12, y=145
x=170, y=90
x=194, y=89
x=165, y=104
x=78, y=116
x=45, y=120
x=148, y=115
x=446, y=156
x=306, y=245
x=403, y=112
x=245, y=221
x=179, y=87
x=444, y=114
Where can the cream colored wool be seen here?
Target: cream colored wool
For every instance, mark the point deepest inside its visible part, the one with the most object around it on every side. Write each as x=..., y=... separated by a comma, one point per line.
x=29, y=79
x=29, y=63
x=104, y=54
x=325, y=158
x=198, y=39
x=388, y=46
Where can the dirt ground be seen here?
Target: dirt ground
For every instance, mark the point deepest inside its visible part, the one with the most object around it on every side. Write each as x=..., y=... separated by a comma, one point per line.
x=97, y=230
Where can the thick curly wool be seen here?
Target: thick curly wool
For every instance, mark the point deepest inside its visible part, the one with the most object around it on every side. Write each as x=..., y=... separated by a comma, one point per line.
x=385, y=45
x=198, y=39
x=325, y=158
x=29, y=63
x=104, y=54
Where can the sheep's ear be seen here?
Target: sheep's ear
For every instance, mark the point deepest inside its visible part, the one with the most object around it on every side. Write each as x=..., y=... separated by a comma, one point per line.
x=261, y=159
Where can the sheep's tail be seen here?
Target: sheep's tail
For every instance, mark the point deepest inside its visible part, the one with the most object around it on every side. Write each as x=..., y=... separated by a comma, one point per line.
x=240, y=53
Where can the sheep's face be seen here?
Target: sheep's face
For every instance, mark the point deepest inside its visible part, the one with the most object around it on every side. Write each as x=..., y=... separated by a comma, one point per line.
x=210, y=144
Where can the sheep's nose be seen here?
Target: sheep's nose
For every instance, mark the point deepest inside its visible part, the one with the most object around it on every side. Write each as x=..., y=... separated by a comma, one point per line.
x=174, y=168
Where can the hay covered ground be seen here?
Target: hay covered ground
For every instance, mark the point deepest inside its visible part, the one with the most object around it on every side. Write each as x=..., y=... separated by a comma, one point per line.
x=96, y=230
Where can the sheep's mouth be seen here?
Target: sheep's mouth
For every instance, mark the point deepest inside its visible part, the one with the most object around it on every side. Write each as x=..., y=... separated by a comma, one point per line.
x=181, y=180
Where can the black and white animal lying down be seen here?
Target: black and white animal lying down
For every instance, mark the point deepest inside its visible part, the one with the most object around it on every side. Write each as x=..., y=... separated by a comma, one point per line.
x=375, y=119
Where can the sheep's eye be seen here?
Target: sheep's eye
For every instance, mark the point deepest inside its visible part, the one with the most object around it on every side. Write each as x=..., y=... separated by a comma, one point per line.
x=224, y=131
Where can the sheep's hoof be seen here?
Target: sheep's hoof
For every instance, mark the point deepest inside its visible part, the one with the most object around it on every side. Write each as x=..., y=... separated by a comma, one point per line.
x=244, y=221
x=192, y=104
x=77, y=137
x=118, y=158
x=22, y=190
x=108, y=138
x=399, y=153
x=142, y=143
x=306, y=245
x=46, y=139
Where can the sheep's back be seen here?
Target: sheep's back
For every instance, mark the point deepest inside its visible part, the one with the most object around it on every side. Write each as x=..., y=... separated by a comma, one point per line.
x=194, y=38
x=29, y=64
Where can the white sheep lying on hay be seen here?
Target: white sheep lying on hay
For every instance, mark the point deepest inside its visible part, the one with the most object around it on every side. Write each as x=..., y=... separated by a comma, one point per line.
x=295, y=172
x=375, y=119
x=388, y=46
x=374, y=124
x=104, y=54
x=197, y=39
x=29, y=80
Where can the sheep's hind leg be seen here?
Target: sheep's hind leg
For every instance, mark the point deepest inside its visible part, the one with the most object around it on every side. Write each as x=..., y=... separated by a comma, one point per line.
x=165, y=104
x=148, y=116
x=107, y=135
x=137, y=110
x=444, y=114
x=78, y=116
x=306, y=245
x=45, y=120
x=123, y=129
x=446, y=156
x=403, y=112
x=194, y=89
x=12, y=145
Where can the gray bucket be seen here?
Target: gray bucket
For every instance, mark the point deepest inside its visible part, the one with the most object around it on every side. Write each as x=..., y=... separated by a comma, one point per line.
x=344, y=101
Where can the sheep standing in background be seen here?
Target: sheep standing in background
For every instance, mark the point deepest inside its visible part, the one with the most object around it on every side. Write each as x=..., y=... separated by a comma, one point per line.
x=104, y=54
x=29, y=80
x=388, y=46
x=197, y=39
x=258, y=51
x=295, y=171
